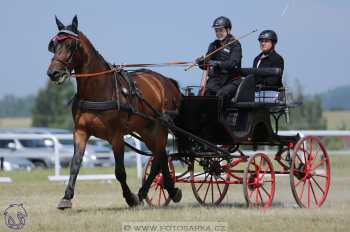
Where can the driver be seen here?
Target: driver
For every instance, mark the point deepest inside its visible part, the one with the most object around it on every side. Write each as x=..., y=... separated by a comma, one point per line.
x=223, y=66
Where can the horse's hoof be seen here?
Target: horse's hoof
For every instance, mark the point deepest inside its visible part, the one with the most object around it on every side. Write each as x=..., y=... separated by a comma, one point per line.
x=177, y=196
x=64, y=204
x=133, y=200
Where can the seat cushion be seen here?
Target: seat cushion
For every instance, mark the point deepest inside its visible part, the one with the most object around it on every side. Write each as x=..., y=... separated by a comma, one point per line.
x=267, y=96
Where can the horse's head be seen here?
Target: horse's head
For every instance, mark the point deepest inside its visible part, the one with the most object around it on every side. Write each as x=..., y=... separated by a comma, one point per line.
x=65, y=46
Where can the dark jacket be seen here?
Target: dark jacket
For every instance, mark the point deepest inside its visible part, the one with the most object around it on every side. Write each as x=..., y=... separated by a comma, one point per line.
x=230, y=59
x=270, y=60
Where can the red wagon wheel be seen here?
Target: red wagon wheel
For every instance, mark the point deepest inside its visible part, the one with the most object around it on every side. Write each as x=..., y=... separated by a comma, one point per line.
x=209, y=180
x=310, y=172
x=157, y=195
x=259, y=181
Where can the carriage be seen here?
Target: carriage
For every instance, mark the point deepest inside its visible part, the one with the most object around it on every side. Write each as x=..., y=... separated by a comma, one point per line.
x=211, y=139
x=209, y=142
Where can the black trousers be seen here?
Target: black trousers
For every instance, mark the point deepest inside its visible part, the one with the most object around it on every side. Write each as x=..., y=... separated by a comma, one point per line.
x=223, y=88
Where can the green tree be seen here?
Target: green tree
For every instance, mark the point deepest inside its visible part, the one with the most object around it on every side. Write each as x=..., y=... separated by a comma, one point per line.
x=307, y=116
x=13, y=106
x=50, y=107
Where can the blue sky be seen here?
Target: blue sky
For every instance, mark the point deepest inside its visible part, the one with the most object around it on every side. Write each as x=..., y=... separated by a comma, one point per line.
x=314, y=36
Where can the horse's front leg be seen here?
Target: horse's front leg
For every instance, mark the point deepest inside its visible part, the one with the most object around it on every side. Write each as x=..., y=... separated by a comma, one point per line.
x=80, y=140
x=118, y=150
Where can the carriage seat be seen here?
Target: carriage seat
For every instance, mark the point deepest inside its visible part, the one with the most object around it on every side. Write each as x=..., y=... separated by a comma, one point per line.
x=250, y=95
x=269, y=94
x=249, y=92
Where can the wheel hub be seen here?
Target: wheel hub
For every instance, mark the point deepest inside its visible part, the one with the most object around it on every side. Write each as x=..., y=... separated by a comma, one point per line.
x=159, y=179
x=254, y=182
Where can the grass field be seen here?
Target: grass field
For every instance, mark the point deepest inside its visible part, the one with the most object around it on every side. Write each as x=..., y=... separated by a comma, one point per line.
x=337, y=120
x=99, y=206
x=15, y=122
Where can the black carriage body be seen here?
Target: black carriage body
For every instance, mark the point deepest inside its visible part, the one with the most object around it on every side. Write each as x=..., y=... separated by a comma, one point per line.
x=244, y=122
x=203, y=125
x=202, y=117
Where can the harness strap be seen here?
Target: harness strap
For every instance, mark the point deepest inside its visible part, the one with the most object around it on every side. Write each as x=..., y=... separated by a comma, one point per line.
x=101, y=106
x=137, y=150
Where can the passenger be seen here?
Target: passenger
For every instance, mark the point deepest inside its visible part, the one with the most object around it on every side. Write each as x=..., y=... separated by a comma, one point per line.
x=224, y=66
x=269, y=58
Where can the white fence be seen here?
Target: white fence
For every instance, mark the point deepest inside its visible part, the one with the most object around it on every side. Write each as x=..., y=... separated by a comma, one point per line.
x=107, y=177
x=56, y=150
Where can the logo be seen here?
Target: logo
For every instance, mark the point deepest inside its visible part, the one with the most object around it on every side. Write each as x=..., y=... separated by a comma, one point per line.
x=15, y=216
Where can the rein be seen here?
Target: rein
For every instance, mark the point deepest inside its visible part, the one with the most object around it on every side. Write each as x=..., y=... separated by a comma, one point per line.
x=117, y=68
x=65, y=34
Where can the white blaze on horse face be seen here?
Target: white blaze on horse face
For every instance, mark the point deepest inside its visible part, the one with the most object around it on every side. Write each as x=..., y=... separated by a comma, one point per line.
x=221, y=33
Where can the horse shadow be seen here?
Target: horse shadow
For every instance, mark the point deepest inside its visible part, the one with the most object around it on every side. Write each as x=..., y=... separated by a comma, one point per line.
x=145, y=207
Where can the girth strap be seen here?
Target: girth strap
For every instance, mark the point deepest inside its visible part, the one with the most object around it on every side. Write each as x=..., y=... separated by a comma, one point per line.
x=102, y=106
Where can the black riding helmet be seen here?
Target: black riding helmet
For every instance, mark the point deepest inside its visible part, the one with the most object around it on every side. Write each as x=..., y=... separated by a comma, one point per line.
x=222, y=22
x=268, y=34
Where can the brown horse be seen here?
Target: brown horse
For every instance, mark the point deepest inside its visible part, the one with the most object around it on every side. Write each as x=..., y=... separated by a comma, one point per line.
x=73, y=51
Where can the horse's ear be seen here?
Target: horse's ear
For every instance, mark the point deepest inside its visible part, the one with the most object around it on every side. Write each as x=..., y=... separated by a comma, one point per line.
x=75, y=24
x=59, y=23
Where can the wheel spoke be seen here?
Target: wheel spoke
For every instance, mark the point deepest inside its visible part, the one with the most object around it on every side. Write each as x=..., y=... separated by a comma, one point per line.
x=267, y=193
x=206, y=193
x=251, y=193
x=310, y=154
x=313, y=193
x=163, y=194
x=262, y=201
x=299, y=181
x=317, y=152
x=302, y=190
x=218, y=186
x=308, y=194
x=297, y=156
x=318, y=185
x=263, y=173
x=255, y=166
x=205, y=179
x=220, y=178
x=261, y=158
x=319, y=175
x=304, y=154
x=212, y=191
x=159, y=197
x=153, y=184
x=318, y=165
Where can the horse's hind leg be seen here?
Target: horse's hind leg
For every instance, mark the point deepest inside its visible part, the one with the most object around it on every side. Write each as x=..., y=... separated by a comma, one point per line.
x=120, y=174
x=174, y=193
x=160, y=163
x=155, y=168
x=80, y=139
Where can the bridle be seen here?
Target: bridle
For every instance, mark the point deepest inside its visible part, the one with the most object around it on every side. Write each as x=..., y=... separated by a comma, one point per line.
x=61, y=36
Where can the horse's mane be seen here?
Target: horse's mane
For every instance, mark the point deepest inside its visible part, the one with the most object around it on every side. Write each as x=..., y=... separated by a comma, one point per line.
x=86, y=41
